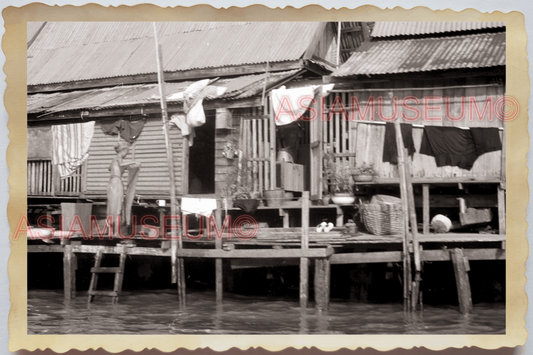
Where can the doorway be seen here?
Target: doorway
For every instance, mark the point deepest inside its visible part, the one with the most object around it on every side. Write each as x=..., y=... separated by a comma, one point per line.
x=202, y=158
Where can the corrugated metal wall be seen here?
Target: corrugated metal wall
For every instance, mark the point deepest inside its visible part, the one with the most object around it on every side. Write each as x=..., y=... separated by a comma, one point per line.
x=366, y=140
x=149, y=149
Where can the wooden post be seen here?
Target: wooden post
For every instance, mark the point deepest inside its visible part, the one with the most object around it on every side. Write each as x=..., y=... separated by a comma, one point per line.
x=218, y=262
x=178, y=274
x=501, y=209
x=321, y=284
x=461, y=268
x=425, y=208
x=304, y=262
x=272, y=146
x=414, y=231
x=405, y=209
x=69, y=271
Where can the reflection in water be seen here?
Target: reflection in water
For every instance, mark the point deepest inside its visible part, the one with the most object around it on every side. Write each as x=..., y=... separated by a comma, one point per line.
x=158, y=313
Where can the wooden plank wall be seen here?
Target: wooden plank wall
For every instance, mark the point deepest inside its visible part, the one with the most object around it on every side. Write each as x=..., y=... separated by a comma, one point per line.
x=253, y=138
x=39, y=175
x=366, y=139
x=149, y=149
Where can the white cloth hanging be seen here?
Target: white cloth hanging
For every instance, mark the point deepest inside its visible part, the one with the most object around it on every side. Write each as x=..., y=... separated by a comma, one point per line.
x=289, y=105
x=70, y=146
x=198, y=206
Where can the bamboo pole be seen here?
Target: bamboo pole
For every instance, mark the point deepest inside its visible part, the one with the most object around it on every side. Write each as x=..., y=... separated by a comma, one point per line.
x=218, y=262
x=414, y=231
x=405, y=209
x=176, y=243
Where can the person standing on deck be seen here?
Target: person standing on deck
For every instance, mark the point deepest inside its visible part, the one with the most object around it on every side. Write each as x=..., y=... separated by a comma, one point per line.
x=115, y=190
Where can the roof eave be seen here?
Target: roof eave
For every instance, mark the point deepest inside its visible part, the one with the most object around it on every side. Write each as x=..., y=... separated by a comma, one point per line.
x=151, y=78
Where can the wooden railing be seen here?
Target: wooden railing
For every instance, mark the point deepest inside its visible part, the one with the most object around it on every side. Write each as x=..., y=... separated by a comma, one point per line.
x=43, y=180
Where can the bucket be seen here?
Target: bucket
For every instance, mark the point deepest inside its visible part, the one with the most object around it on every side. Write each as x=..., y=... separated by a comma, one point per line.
x=274, y=198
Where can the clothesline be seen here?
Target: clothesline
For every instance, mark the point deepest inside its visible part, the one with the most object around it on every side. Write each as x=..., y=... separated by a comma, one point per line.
x=416, y=125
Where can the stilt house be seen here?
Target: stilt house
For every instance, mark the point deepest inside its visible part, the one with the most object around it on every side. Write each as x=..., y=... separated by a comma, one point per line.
x=106, y=73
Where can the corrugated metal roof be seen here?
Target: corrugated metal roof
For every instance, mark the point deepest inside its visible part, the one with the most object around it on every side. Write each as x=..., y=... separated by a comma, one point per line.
x=417, y=55
x=389, y=29
x=32, y=28
x=96, y=50
x=130, y=95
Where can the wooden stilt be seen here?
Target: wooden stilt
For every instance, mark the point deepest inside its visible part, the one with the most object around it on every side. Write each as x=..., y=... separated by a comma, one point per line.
x=119, y=276
x=461, y=268
x=321, y=284
x=218, y=262
x=227, y=275
x=414, y=232
x=501, y=209
x=69, y=272
x=304, y=262
x=327, y=280
x=425, y=208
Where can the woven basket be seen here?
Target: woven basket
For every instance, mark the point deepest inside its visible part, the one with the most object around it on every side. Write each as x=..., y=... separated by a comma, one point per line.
x=382, y=218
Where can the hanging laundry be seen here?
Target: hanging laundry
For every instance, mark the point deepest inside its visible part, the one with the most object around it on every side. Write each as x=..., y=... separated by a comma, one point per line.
x=486, y=139
x=457, y=147
x=289, y=105
x=129, y=130
x=181, y=122
x=390, y=150
x=193, y=98
x=192, y=104
x=198, y=206
x=70, y=145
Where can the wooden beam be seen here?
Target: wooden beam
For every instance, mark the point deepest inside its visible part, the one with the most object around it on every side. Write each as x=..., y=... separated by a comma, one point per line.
x=473, y=201
x=258, y=263
x=193, y=74
x=45, y=249
x=471, y=254
x=92, y=249
x=366, y=258
x=256, y=253
x=149, y=109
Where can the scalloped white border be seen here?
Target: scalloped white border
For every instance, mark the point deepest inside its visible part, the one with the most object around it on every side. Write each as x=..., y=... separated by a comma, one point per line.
x=438, y=342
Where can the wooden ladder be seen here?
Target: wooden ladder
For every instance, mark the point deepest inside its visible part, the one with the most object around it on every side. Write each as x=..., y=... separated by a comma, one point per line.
x=119, y=276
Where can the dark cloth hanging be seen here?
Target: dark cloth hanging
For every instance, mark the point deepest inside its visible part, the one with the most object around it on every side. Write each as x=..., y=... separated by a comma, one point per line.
x=458, y=147
x=486, y=139
x=390, y=151
x=129, y=129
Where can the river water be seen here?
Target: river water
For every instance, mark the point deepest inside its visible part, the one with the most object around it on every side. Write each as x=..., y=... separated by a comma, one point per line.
x=156, y=312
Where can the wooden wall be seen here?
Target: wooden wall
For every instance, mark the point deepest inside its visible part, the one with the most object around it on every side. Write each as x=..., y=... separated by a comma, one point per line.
x=222, y=165
x=364, y=136
x=149, y=149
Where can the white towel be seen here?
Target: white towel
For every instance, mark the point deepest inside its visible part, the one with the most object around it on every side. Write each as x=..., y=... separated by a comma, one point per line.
x=199, y=206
